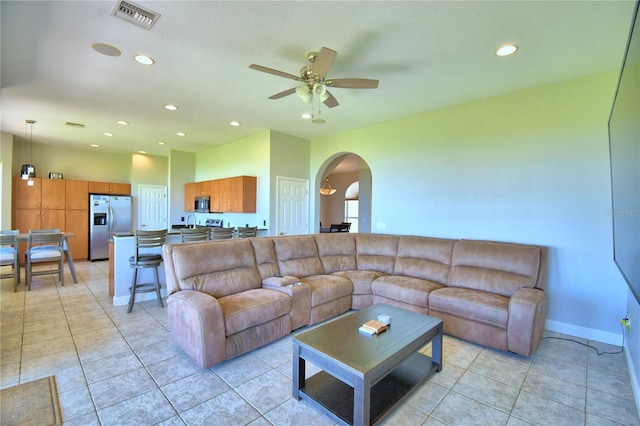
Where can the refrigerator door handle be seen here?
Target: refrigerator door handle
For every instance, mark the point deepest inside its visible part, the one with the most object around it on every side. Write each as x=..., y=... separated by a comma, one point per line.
x=111, y=219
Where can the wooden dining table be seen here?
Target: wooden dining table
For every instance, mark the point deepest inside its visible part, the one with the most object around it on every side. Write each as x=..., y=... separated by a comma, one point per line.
x=22, y=238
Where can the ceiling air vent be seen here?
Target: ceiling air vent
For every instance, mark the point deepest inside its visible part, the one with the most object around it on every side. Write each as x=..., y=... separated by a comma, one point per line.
x=76, y=125
x=135, y=14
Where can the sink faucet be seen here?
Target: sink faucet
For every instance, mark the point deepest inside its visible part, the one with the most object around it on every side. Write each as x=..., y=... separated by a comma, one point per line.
x=194, y=220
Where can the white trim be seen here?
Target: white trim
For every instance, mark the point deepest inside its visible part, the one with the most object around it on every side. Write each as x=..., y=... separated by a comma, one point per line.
x=585, y=333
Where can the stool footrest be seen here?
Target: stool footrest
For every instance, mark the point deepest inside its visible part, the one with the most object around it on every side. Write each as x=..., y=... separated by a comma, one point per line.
x=144, y=288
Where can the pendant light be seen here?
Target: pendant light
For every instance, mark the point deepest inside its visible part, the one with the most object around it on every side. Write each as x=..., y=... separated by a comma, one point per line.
x=326, y=188
x=28, y=170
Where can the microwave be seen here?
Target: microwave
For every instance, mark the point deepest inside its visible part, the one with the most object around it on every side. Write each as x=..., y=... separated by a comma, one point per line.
x=202, y=204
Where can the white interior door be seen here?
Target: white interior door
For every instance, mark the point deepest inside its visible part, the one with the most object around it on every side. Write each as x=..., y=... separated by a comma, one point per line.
x=293, y=206
x=152, y=211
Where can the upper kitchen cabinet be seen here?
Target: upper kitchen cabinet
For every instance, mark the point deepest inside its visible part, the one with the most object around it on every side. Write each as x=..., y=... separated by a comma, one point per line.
x=27, y=197
x=109, y=188
x=53, y=194
x=77, y=194
x=189, y=197
x=242, y=194
x=203, y=189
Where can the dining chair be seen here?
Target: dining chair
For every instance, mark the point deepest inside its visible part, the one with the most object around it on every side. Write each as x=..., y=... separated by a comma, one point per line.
x=339, y=227
x=9, y=255
x=145, y=241
x=247, y=232
x=216, y=233
x=44, y=247
x=194, y=234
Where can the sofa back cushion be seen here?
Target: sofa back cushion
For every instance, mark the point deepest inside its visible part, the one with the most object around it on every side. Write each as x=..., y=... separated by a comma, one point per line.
x=501, y=268
x=423, y=257
x=297, y=255
x=266, y=260
x=337, y=251
x=376, y=252
x=218, y=268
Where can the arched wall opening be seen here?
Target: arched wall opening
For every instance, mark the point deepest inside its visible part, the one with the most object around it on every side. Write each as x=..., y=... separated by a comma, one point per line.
x=343, y=169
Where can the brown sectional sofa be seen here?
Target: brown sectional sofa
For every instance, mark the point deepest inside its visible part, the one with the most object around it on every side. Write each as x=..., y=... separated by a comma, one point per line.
x=231, y=296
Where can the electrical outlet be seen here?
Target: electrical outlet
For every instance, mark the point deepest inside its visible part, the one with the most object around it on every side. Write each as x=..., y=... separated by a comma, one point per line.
x=626, y=322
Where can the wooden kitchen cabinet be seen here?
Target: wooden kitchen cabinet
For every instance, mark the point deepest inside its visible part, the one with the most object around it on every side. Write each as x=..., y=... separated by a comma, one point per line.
x=242, y=194
x=189, y=196
x=76, y=194
x=224, y=195
x=203, y=188
x=229, y=195
x=214, y=191
x=25, y=196
x=77, y=221
x=53, y=194
x=77, y=217
x=109, y=188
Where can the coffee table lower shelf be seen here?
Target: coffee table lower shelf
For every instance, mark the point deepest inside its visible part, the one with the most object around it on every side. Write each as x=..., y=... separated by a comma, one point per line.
x=336, y=397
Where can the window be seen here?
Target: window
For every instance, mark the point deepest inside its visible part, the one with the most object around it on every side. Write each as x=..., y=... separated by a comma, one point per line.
x=351, y=214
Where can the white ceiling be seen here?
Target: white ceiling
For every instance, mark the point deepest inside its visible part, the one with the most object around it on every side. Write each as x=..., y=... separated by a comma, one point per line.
x=426, y=54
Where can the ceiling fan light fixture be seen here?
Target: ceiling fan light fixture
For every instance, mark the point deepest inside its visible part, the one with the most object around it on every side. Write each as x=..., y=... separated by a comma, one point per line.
x=326, y=188
x=304, y=93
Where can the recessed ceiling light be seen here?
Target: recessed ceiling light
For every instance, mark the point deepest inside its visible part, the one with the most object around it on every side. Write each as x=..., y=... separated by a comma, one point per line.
x=94, y=145
x=171, y=107
x=235, y=123
x=506, y=50
x=122, y=122
x=318, y=121
x=108, y=134
x=106, y=49
x=144, y=59
x=306, y=116
x=142, y=152
x=181, y=134
x=161, y=143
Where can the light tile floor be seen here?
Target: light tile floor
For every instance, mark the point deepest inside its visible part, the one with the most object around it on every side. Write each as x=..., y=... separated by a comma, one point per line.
x=114, y=368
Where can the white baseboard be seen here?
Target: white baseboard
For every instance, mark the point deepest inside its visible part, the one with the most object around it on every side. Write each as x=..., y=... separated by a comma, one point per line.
x=585, y=333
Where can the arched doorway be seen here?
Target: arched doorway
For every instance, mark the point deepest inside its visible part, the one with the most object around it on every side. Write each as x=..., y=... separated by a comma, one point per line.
x=342, y=171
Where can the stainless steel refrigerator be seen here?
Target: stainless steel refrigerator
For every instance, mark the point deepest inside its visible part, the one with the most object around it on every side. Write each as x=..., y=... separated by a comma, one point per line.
x=107, y=214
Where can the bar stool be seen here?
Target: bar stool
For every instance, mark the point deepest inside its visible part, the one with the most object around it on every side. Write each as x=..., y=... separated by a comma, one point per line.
x=146, y=240
x=247, y=232
x=194, y=234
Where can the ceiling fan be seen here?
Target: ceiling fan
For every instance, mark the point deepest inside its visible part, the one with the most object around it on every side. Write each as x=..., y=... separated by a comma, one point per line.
x=314, y=79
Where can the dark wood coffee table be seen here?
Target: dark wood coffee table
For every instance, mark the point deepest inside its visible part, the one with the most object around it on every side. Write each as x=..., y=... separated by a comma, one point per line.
x=364, y=376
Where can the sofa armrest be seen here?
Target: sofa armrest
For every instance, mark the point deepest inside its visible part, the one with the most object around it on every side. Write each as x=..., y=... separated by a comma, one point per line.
x=300, y=294
x=527, y=316
x=196, y=324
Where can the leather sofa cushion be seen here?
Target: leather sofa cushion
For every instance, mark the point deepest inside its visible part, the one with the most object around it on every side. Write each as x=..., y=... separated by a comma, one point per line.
x=337, y=252
x=266, y=260
x=426, y=258
x=326, y=288
x=252, y=307
x=218, y=268
x=361, y=279
x=376, y=252
x=298, y=256
x=414, y=291
x=474, y=305
x=499, y=268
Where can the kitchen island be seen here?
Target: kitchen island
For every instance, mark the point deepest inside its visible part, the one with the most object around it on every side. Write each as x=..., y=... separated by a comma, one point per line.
x=121, y=247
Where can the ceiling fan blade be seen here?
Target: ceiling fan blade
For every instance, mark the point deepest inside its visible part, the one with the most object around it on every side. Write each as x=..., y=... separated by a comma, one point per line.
x=283, y=94
x=331, y=101
x=324, y=61
x=352, y=83
x=274, y=72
